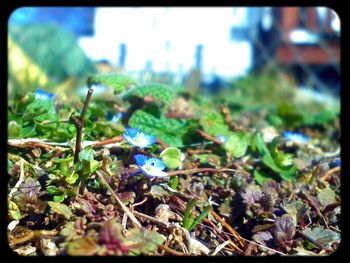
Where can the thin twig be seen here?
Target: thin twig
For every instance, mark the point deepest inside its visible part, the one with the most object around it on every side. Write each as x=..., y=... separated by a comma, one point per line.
x=151, y=219
x=190, y=151
x=209, y=137
x=121, y=204
x=249, y=241
x=161, y=143
x=79, y=124
x=229, y=228
x=175, y=115
x=199, y=170
x=226, y=112
x=109, y=141
x=329, y=173
x=220, y=247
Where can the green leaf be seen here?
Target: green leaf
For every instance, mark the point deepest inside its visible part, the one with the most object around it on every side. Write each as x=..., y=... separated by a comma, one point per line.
x=296, y=209
x=157, y=192
x=237, y=144
x=53, y=190
x=143, y=241
x=170, y=131
x=28, y=131
x=286, y=173
x=290, y=115
x=325, y=237
x=86, y=154
x=72, y=178
x=171, y=157
x=258, y=145
x=174, y=182
x=58, y=198
x=200, y=217
x=88, y=167
x=117, y=82
x=159, y=92
x=61, y=209
x=16, y=215
x=185, y=221
x=13, y=129
x=214, y=124
x=262, y=177
x=85, y=246
x=326, y=197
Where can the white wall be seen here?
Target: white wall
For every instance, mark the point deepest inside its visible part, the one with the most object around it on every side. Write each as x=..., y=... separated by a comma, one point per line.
x=147, y=30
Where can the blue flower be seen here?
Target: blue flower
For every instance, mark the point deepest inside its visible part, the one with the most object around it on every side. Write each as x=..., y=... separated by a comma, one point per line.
x=117, y=117
x=221, y=138
x=44, y=95
x=138, y=138
x=152, y=167
x=295, y=137
x=335, y=163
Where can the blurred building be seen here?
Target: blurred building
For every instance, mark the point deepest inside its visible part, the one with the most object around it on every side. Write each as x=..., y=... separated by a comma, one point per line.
x=220, y=43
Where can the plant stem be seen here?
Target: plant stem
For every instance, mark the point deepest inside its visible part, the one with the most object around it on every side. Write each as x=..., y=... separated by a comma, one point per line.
x=198, y=170
x=209, y=137
x=121, y=204
x=79, y=125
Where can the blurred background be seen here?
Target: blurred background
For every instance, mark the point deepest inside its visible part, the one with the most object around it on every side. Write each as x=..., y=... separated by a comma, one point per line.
x=255, y=51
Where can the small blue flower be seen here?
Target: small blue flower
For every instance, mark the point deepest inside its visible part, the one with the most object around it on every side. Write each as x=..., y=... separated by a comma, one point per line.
x=44, y=95
x=335, y=163
x=221, y=138
x=117, y=117
x=138, y=138
x=295, y=137
x=152, y=167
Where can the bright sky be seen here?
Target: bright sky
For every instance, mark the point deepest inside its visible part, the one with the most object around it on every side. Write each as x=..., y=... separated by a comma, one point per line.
x=147, y=30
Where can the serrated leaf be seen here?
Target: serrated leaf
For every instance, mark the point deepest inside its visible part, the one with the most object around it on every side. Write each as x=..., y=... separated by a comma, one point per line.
x=13, y=129
x=290, y=115
x=326, y=197
x=286, y=173
x=117, y=82
x=258, y=145
x=82, y=247
x=296, y=209
x=261, y=177
x=214, y=124
x=159, y=92
x=170, y=131
x=143, y=241
x=61, y=209
x=171, y=157
x=237, y=144
x=325, y=237
x=28, y=131
x=157, y=192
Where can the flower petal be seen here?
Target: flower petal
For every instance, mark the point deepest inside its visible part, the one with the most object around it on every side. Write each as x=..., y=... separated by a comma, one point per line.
x=138, y=138
x=156, y=163
x=140, y=159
